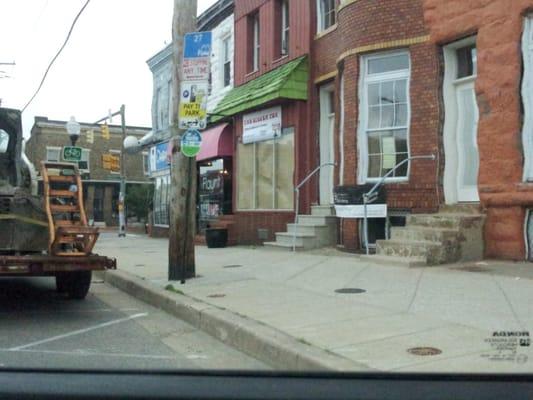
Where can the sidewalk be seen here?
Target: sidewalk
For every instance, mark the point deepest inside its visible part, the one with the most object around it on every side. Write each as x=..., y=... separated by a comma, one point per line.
x=455, y=308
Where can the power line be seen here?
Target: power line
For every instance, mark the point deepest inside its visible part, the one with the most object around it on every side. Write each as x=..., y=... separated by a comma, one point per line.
x=57, y=55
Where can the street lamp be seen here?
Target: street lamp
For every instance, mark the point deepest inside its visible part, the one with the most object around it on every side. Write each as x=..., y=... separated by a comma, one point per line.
x=73, y=129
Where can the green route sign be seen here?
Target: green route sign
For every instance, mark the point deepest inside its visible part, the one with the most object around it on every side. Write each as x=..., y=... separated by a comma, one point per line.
x=191, y=142
x=71, y=153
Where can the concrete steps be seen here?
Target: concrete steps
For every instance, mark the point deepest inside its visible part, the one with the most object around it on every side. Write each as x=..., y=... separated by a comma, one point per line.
x=312, y=231
x=453, y=234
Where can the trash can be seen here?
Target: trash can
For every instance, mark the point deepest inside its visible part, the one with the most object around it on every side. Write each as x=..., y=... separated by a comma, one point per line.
x=216, y=237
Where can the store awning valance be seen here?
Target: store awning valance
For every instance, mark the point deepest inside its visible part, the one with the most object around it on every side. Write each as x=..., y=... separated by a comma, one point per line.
x=216, y=142
x=286, y=82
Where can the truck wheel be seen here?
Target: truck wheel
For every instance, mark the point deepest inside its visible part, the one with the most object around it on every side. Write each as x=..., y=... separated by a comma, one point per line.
x=77, y=284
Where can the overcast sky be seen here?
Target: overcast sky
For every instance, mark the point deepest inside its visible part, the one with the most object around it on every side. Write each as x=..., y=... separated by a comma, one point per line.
x=102, y=67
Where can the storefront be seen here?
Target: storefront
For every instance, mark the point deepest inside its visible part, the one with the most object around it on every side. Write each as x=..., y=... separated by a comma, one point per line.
x=215, y=170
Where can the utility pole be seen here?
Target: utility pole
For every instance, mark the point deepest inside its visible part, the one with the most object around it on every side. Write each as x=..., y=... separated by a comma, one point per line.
x=181, y=260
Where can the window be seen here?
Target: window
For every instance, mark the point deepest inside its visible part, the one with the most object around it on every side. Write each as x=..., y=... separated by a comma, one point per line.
x=84, y=164
x=384, y=108
x=156, y=109
x=117, y=153
x=226, y=61
x=254, y=45
x=326, y=14
x=527, y=98
x=285, y=27
x=53, y=154
x=466, y=61
x=161, y=200
x=265, y=174
x=146, y=164
x=168, y=117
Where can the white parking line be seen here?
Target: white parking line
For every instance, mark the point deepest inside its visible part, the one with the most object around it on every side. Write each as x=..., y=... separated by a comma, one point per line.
x=79, y=331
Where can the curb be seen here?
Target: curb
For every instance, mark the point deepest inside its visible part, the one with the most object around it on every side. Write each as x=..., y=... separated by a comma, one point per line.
x=265, y=343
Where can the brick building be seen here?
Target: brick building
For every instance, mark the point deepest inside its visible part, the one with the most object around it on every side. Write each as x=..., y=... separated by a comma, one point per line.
x=500, y=36
x=101, y=186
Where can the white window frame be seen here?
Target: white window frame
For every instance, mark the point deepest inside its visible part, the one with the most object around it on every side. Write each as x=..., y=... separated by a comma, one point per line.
x=527, y=97
x=321, y=16
x=256, y=42
x=364, y=80
x=146, y=163
x=88, y=160
x=285, y=27
x=112, y=151
x=53, y=148
x=226, y=58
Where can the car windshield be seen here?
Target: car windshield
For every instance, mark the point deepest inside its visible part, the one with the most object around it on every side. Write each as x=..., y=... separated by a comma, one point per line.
x=266, y=185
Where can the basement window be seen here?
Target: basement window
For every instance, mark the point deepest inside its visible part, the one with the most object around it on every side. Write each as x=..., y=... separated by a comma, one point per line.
x=380, y=228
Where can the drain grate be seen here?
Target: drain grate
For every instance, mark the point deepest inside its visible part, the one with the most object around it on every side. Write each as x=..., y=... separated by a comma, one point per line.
x=216, y=295
x=232, y=266
x=424, y=351
x=350, y=291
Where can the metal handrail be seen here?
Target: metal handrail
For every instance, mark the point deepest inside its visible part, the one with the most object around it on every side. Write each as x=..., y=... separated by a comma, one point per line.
x=297, y=190
x=367, y=196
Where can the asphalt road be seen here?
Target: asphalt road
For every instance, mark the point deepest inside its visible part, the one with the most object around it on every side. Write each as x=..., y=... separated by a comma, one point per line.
x=40, y=328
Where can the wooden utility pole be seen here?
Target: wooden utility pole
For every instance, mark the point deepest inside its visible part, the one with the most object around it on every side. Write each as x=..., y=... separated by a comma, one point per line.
x=181, y=262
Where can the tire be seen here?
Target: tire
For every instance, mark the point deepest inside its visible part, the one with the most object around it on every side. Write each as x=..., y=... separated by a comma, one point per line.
x=75, y=284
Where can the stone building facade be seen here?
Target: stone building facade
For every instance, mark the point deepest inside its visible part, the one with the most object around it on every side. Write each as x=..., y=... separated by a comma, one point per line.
x=101, y=186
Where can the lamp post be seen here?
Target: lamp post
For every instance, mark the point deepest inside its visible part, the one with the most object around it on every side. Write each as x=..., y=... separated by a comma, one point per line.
x=73, y=129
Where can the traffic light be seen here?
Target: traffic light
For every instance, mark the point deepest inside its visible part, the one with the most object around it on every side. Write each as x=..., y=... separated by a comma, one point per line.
x=105, y=131
x=90, y=136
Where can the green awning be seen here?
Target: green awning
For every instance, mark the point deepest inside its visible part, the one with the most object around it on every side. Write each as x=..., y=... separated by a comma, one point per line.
x=286, y=82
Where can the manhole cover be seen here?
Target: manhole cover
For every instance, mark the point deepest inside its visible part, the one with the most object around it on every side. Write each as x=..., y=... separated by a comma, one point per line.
x=216, y=295
x=150, y=251
x=424, y=351
x=232, y=266
x=140, y=265
x=350, y=291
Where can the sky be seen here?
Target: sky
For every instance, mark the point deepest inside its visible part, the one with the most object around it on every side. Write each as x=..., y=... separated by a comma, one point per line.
x=102, y=66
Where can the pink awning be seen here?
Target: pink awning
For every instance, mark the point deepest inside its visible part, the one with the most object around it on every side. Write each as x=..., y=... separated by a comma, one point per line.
x=217, y=142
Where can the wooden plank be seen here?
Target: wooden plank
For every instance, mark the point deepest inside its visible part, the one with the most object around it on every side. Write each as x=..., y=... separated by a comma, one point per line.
x=62, y=193
x=77, y=230
x=67, y=223
x=56, y=208
x=61, y=178
x=70, y=254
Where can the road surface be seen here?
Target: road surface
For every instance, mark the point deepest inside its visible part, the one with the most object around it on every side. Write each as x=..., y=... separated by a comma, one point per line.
x=40, y=328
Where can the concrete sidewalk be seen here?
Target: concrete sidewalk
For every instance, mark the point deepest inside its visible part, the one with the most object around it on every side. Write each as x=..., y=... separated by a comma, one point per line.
x=457, y=311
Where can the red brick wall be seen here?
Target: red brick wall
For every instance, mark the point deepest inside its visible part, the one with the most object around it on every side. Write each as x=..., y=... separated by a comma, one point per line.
x=498, y=25
x=371, y=22
x=269, y=58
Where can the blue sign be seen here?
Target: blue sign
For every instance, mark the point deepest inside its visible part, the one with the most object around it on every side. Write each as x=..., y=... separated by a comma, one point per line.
x=158, y=154
x=191, y=142
x=197, y=45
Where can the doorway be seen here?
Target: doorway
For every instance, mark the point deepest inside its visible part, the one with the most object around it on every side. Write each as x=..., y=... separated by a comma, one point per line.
x=461, y=123
x=327, y=151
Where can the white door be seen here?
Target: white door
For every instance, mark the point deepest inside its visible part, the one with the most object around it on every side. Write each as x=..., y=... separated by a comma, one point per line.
x=467, y=149
x=327, y=153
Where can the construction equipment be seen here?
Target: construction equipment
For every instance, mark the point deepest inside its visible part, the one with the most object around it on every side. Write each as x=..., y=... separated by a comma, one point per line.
x=44, y=235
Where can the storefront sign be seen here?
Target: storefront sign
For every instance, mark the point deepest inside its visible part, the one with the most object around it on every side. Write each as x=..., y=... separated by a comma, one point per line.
x=262, y=125
x=211, y=183
x=358, y=211
x=193, y=105
x=111, y=162
x=158, y=157
x=191, y=142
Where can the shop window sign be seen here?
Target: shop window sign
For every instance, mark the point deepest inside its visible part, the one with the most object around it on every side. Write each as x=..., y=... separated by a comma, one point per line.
x=261, y=125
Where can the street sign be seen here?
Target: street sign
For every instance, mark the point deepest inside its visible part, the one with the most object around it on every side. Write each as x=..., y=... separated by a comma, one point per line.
x=193, y=105
x=195, y=69
x=71, y=153
x=197, y=44
x=191, y=142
